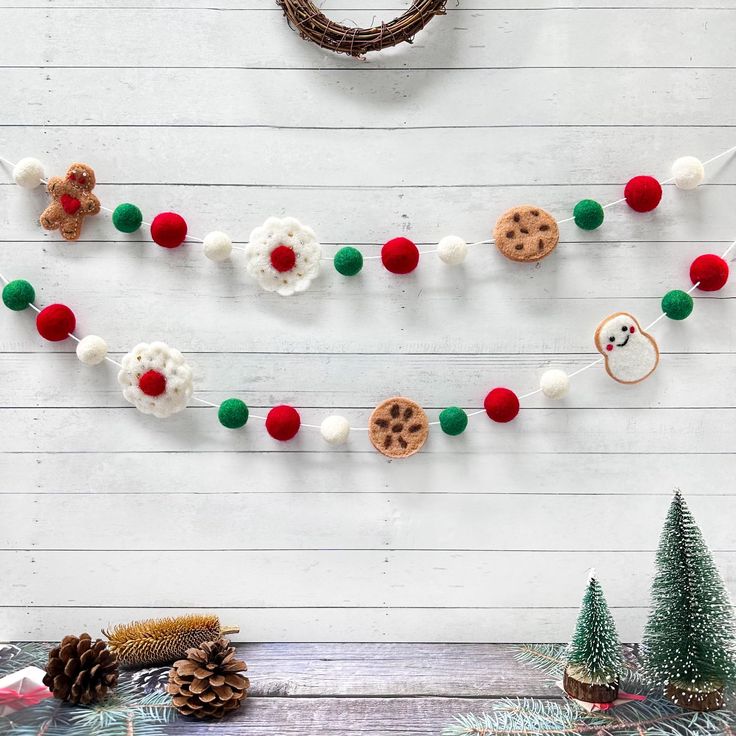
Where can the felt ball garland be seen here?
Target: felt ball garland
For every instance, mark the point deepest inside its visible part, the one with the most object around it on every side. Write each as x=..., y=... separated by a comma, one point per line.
x=18, y=295
x=55, y=322
x=400, y=255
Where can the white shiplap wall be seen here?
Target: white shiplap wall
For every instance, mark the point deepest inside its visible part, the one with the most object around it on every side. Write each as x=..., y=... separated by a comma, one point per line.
x=224, y=114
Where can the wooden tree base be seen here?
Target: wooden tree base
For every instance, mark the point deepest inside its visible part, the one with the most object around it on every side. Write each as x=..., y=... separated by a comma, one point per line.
x=589, y=692
x=690, y=700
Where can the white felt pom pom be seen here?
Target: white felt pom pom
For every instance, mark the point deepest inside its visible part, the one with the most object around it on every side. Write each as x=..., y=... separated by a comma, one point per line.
x=554, y=383
x=217, y=246
x=452, y=250
x=688, y=172
x=91, y=350
x=335, y=430
x=28, y=173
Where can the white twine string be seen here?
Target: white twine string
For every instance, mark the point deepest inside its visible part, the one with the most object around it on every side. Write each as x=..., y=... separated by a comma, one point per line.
x=434, y=250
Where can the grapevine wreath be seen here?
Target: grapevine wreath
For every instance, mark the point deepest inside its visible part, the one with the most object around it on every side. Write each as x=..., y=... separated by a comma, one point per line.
x=283, y=256
x=313, y=25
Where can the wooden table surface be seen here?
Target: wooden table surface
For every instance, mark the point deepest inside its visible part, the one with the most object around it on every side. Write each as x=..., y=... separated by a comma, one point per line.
x=218, y=110
x=346, y=689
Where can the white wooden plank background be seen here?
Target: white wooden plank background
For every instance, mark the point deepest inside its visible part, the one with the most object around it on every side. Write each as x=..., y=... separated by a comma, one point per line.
x=224, y=114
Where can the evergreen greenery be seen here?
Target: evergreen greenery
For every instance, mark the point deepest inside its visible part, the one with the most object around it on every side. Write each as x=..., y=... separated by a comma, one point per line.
x=656, y=716
x=594, y=654
x=689, y=639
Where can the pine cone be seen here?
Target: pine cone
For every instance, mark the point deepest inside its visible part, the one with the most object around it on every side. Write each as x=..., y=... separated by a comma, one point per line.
x=80, y=670
x=209, y=682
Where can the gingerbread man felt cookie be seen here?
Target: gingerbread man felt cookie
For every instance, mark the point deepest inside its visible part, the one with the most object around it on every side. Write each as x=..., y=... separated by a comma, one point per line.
x=630, y=354
x=73, y=201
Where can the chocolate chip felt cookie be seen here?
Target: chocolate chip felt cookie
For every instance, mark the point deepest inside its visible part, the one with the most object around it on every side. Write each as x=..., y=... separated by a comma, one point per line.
x=73, y=201
x=398, y=427
x=526, y=233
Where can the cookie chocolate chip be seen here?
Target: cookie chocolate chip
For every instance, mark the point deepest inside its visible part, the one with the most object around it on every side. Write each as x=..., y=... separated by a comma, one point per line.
x=526, y=233
x=398, y=427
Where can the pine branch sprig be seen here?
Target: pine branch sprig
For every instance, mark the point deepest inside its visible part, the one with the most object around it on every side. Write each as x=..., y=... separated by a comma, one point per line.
x=548, y=658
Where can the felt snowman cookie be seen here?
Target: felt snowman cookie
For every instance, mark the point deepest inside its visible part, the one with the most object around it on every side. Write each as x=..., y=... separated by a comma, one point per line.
x=629, y=353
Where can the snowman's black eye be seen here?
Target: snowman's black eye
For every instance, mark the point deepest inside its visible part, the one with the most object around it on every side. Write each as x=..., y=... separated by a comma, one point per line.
x=611, y=339
x=624, y=329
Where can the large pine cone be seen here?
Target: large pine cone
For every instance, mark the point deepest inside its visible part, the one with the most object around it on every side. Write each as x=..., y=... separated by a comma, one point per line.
x=80, y=670
x=209, y=682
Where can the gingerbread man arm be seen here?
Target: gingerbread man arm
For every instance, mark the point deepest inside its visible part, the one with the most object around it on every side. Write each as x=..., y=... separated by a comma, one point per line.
x=56, y=186
x=90, y=205
x=52, y=216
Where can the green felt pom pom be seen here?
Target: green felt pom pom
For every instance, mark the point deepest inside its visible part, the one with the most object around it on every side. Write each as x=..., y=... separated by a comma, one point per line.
x=453, y=420
x=348, y=261
x=677, y=304
x=233, y=413
x=18, y=294
x=127, y=218
x=588, y=214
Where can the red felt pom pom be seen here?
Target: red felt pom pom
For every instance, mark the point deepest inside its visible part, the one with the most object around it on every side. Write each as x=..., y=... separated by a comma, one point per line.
x=501, y=405
x=152, y=383
x=168, y=229
x=55, y=322
x=283, y=422
x=709, y=272
x=643, y=193
x=283, y=258
x=400, y=255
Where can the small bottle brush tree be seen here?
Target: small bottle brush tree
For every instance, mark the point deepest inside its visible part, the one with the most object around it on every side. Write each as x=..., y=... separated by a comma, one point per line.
x=689, y=638
x=594, y=654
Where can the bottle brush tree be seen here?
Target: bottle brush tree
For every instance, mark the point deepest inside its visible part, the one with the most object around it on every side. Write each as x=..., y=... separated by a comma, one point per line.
x=689, y=638
x=594, y=660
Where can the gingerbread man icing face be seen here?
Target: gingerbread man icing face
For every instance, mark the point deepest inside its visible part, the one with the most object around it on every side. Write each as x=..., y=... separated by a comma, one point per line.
x=630, y=354
x=73, y=201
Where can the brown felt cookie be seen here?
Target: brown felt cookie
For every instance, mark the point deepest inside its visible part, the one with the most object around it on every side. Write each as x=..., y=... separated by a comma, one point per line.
x=73, y=201
x=398, y=427
x=526, y=233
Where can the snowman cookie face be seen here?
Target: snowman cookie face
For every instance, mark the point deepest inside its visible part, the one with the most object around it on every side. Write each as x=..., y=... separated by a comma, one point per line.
x=629, y=353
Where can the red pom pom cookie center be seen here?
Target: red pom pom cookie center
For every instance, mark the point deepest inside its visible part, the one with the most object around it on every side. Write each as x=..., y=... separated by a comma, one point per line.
x=69, y=204
x=152, y=383
x=283, y=258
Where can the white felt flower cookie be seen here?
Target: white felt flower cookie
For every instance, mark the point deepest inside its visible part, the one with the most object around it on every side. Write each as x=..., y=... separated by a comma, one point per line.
x=156, y=379
x=630, y=354
x=283, y=255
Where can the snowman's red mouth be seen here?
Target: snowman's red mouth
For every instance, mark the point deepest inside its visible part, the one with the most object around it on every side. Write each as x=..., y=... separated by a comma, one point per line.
x=621, y=344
